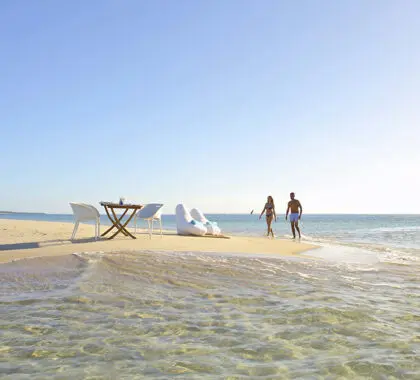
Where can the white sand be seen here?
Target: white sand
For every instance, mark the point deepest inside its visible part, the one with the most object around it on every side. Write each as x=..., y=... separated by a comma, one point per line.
x=22, y=239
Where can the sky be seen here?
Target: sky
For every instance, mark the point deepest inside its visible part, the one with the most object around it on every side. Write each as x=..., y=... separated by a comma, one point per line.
x=215, y=104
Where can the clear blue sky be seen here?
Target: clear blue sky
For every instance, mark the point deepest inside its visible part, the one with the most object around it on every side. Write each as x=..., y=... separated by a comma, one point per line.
x=213, y=103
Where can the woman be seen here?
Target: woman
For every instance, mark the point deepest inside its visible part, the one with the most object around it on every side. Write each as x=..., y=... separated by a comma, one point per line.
x=270, y=213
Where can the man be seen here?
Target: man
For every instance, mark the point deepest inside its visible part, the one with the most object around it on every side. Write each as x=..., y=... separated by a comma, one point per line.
x=295, y=209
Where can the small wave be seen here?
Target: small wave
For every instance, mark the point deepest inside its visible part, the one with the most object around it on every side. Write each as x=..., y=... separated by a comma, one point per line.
x=383, y=253
x=382, y=284
x=40, y=277
x=391, y=229
x=89, y=256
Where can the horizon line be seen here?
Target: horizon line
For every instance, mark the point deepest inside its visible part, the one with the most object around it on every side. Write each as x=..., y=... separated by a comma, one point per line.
x=222, y=213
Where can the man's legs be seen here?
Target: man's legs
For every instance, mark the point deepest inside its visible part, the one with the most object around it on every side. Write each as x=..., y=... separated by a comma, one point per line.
x=292, y=224
x=297, y=227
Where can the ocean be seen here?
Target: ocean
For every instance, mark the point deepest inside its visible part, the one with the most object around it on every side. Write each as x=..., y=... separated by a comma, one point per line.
x=349, y=310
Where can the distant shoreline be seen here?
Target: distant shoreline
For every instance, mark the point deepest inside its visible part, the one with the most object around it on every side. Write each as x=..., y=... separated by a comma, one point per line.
x=26, y=213
x=225, y=213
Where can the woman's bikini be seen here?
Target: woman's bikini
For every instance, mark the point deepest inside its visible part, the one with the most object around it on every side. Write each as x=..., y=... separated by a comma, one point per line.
x=268, y=210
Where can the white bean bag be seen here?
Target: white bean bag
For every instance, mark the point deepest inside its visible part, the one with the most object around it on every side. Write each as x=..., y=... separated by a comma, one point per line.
x=186, y=225
x=212, y=227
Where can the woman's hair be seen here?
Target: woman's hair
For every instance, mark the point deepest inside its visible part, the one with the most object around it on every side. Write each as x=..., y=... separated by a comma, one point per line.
x=270, y=200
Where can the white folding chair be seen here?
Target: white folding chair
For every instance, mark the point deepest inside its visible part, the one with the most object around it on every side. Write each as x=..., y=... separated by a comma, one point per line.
x=83, y=212
x=151, y=212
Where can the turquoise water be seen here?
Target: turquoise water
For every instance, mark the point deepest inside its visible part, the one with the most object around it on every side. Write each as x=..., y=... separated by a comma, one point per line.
x=352, y=312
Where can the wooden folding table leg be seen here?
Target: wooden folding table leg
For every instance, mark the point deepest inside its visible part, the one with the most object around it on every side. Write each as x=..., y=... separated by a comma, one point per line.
x=121, y=227
x=114, y=221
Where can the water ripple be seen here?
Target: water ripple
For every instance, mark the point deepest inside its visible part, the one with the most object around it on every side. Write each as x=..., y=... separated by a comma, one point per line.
x=206, y=316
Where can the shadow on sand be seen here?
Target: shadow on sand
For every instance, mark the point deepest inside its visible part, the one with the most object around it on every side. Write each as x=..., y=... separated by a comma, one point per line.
x=46, y=243
x=49, y=243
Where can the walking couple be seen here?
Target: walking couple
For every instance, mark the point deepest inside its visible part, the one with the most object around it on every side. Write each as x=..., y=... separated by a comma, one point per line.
x=295, y=209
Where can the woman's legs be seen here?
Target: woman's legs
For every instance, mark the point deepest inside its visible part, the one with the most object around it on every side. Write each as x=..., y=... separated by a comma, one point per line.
x=269, y=229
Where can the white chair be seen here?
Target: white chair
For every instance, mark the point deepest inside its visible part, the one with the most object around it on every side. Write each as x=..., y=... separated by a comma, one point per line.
x=212, y=227
x=82, y=213
x=151, y=212
x=186, y=225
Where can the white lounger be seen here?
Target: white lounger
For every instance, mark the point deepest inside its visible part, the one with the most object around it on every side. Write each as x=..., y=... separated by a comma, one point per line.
x=212, y=227
x=186, y=225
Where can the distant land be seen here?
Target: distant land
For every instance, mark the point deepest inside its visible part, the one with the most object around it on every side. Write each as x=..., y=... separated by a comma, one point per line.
x=15, y=212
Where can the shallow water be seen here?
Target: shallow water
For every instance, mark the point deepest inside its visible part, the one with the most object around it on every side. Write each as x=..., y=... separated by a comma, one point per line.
x=206, y=316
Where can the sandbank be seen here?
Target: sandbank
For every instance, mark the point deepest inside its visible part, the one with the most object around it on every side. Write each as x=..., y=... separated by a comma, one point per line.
x=24, y=239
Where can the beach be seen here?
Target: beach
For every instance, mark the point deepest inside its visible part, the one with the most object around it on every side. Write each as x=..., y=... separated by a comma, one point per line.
x=27, y=238
x=238, y=119
x=209, y=308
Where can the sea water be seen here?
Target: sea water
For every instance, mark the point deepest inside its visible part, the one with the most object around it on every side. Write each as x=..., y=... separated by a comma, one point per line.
x=350, y=309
